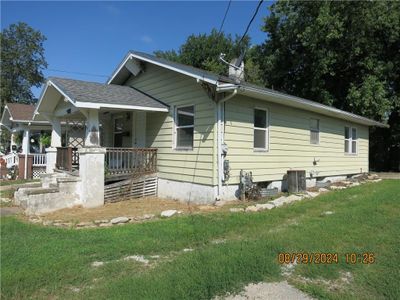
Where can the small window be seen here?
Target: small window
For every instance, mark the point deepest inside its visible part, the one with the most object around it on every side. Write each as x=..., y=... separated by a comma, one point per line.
x=350, y=140
x=184, y=120
x=260, y=129
x=314, y=131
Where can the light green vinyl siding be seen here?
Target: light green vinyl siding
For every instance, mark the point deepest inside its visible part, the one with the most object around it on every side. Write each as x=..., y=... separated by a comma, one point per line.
x=178, y=90
x=289, y=142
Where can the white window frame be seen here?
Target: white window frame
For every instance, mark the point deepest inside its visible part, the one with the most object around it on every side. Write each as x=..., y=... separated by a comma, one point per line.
x=266, y=129
x=317, y=131
x=176, y=127
x=350, y=140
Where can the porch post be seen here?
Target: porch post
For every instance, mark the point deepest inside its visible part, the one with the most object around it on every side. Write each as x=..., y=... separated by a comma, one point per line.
x=92, y=138
x=91, y=172
x=12, y=141
x=26, y=142
x=51, y=152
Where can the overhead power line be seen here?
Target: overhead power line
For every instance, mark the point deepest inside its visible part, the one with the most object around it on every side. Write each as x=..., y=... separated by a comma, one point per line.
x=78, y=73
x=251, y=21
x=223, y=20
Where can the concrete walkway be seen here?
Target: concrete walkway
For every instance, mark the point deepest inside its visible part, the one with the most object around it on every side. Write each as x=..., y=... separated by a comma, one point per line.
x=9, y=211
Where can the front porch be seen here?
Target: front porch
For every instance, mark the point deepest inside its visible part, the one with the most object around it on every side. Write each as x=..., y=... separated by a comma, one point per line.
x=119, y=163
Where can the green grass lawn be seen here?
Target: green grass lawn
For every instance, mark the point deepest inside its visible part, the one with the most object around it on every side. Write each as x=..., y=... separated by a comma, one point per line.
x=230, y=251
x=17, y=181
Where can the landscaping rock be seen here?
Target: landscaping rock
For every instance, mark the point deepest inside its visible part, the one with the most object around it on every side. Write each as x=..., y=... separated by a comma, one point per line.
x=188, y=250
x=168, y=213
x=119, y=220
x=148, y=216
x=252, y=208
x=292, y=198
x=84, y=224
x=355, y=184
x=323, y=190
x=265, y=206
x=105, y=225
x=337, y=187
x=236, y=209
x=312, y=194
x=101, y=221
x=48, y=223
x=279, y=201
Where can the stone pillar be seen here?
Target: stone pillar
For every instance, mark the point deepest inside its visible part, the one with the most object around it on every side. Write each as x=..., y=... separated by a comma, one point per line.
x=91, y=172
x=51, y=152
x=92, y=138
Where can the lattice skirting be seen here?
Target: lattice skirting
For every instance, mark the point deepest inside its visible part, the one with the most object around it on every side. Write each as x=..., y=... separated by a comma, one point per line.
x=128, y=189
x=37, y=171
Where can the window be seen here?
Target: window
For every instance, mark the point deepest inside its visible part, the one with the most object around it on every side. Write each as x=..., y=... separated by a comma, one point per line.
x=350, y=140
x=260, y=129
x=314, y=131
x=184, y=126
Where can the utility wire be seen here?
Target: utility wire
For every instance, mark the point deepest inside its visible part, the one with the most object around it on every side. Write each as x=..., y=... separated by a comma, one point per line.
x=223, y=20
x=78, y=73
x=251, y=21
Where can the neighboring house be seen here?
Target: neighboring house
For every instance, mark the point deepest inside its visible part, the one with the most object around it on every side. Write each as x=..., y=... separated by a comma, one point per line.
x=18, y=119
x=204, y=128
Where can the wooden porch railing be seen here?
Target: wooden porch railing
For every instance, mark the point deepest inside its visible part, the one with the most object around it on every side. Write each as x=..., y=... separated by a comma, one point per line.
x=67, y=158
x=11, y=159
x=125, y=161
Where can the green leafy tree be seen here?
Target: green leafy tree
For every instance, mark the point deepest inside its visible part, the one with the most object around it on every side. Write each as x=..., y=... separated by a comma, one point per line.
x=344, y=54
x=203, y=51
x=22, y=62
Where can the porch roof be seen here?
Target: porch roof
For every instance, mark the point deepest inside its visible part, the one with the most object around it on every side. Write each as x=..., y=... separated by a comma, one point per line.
x=85, y=94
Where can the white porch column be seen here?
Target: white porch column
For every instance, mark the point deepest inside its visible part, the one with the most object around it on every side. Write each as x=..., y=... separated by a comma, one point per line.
x=91, y=172
x=51, y=152
x=26, y=142
x=92, y=138
x=12, y=140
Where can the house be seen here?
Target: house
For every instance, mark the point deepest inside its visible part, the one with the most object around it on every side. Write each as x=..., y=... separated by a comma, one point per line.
x=17, y=119
x=200, y=129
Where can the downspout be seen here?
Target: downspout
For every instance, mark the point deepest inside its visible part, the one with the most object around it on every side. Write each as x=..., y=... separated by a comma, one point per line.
x=220, y=140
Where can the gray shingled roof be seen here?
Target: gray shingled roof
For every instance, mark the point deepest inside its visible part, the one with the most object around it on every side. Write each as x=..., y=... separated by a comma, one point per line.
x=94, y=92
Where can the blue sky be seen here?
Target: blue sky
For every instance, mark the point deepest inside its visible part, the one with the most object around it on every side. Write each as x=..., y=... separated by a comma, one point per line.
x=93, y=37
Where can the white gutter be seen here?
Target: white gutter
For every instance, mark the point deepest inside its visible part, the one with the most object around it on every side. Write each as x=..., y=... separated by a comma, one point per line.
x=220, y=140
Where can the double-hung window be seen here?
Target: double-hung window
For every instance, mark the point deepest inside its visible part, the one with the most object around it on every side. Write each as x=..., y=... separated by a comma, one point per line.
x=260, y=129
x=350, y=140
x=184, y=127
x=314, y=131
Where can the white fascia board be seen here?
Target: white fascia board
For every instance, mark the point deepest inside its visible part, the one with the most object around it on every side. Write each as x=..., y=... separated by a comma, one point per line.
x=310, y=106
x=40, y=100
x=131, y=55
x=117, y=106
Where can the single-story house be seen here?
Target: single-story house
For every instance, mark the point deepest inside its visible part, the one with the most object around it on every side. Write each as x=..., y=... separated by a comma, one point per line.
x=204, y=129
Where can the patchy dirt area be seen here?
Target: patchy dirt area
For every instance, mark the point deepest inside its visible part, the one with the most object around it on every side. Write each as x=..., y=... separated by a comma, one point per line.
x=130, y=208
x=268, y=290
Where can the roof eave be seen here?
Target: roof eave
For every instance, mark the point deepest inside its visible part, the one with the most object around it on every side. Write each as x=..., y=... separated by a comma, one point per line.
x=309, y=105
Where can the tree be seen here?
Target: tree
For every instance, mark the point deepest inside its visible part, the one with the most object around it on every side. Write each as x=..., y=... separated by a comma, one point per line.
x=344, y=54
x=203, y=51
x=22, y=62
